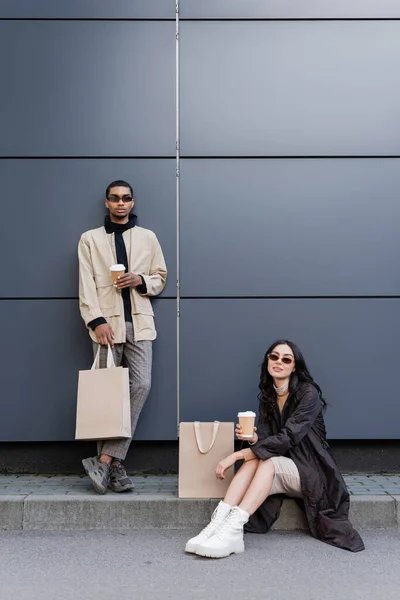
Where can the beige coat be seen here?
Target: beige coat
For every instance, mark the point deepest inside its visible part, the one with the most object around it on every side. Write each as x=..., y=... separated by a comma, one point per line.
x=99, y=298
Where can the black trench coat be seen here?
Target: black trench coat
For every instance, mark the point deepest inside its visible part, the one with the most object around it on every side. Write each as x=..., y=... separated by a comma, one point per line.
x=299, y=433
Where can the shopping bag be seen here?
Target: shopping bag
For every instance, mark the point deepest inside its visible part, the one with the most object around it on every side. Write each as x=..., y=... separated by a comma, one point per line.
x=103, y=407
x=201, y=447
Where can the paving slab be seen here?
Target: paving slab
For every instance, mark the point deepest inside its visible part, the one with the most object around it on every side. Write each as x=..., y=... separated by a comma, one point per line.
x=374, y=484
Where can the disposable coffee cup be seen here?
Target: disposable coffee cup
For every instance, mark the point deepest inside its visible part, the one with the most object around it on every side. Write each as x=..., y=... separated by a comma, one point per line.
x=116, y=271
x=246, y=421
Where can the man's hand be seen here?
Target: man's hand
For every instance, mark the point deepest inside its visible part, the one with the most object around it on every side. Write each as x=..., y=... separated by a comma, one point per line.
x=225, y=464
x=105, y=335
x=128, y=280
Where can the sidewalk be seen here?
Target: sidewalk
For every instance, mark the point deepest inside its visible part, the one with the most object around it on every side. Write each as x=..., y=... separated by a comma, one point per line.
x=68, y=502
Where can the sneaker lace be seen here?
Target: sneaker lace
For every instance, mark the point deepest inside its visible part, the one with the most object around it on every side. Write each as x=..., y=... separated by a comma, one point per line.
x=119, y=470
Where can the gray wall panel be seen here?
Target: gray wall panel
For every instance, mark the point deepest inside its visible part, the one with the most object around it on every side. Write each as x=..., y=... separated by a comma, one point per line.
x=47, y=344
x=86, y=9
x=82, y=88
x=158, y=9
x=350, y=347
x=55, y=201
x=289, y=9
x=159, y=418
x=290, y=227
x=290, y=88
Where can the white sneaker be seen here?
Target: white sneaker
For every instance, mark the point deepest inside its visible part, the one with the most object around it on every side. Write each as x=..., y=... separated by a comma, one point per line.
x=228, y=539
x=219, y=515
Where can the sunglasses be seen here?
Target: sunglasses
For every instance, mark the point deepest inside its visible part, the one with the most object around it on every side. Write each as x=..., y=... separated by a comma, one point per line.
x=115, y=198
x=287, y=360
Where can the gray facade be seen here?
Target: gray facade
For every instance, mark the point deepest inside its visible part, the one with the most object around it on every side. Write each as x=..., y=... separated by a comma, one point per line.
x=288, y=207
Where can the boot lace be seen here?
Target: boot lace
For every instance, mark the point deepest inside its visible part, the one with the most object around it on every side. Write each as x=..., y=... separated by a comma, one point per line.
x=233, y=515
x=211, y=524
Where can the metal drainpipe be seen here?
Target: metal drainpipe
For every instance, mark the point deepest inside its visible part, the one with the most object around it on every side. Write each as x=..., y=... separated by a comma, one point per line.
x=177, y=148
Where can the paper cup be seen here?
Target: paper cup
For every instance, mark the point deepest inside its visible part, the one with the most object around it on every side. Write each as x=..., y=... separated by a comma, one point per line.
x=116, y=271
x=246, y=421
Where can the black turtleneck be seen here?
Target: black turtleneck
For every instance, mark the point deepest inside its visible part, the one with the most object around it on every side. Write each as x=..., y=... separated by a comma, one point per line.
x=118, y=229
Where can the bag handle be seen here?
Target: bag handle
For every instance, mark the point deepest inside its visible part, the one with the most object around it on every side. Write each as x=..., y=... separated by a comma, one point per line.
x=197, y=433
x=110, y=358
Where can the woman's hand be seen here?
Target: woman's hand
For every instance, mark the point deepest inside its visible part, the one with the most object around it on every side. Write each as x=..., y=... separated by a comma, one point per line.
x=226, y=464
x=239, y=435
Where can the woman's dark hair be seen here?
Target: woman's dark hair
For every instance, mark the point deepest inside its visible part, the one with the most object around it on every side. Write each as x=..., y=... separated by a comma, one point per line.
x=301, y=374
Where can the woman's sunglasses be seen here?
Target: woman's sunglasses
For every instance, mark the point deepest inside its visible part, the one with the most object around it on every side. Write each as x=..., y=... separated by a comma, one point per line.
x=287, y=360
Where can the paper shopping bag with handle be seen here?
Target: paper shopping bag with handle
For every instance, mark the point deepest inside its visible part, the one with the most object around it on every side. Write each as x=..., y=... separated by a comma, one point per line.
x=201, y=447
x=103, y=408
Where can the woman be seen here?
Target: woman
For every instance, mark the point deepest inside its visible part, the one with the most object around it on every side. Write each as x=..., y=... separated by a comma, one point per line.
x=289, y=455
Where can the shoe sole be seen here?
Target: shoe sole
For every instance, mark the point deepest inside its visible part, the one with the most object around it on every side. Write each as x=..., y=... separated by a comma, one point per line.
x=211, y=553
x=122, y=490
x=98, y=489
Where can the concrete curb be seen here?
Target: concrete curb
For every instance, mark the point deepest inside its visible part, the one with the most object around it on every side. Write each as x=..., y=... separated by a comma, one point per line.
x=77, y=512
x=374, y=512
x=397, y=510
x=11, y=512
x=114, y=512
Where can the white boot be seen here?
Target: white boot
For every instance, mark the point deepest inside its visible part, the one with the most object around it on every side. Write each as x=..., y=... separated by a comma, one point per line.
x=228, y=539
x=219, y=515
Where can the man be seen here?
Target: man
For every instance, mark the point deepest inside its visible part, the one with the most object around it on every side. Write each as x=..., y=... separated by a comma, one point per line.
x=120, y=315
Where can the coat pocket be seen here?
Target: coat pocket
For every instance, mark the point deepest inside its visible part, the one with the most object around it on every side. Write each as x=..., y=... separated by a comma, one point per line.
x=108, y=300
x=142, y=306
x=144, y=327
